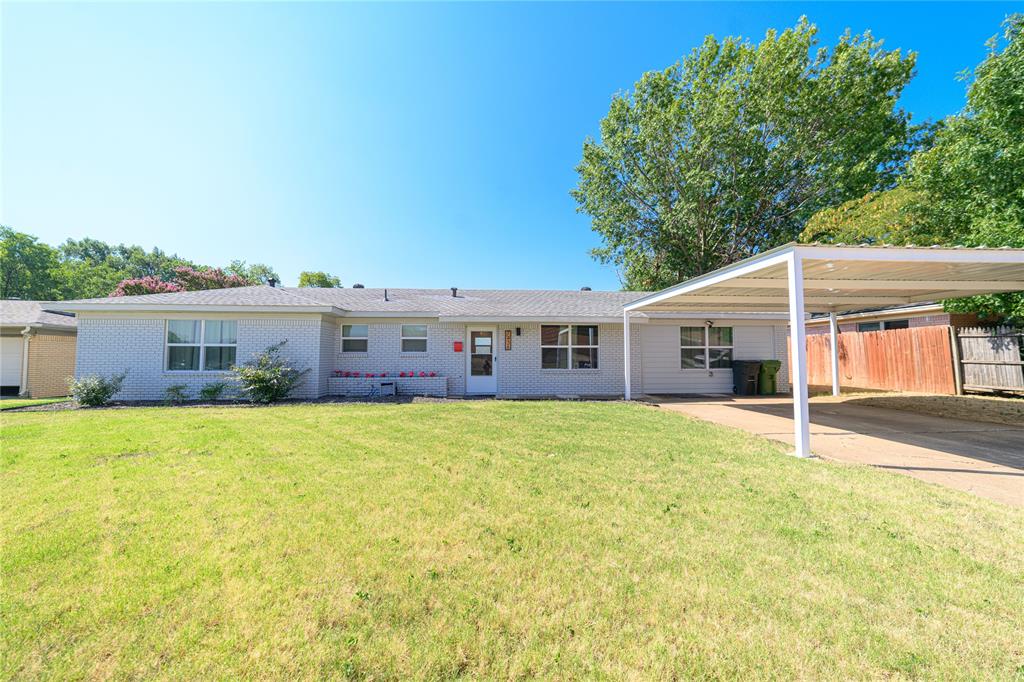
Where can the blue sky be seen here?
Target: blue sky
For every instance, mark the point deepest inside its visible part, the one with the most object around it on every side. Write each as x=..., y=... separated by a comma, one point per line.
x=390, y=144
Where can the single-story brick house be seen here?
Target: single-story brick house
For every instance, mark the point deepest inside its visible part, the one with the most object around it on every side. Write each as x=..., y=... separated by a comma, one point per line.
x=505, y=343
x=37, y=349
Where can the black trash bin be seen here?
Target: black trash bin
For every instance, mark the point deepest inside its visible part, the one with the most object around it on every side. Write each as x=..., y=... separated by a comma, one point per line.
x=744, y=376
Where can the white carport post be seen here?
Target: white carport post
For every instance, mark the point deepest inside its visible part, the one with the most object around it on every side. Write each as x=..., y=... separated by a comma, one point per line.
x=625, y=349
x=798, y=369
x=833, y=330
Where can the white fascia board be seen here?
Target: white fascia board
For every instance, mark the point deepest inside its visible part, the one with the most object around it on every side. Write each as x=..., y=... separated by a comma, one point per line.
x=191, y=308
x=768, y=259
x=709, y=315
x=397, y=315
x=552, y=319
x=923, y=254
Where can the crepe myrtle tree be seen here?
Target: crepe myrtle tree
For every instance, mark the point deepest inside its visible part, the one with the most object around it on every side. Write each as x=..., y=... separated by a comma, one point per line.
x=186, y=278
x=729, y=151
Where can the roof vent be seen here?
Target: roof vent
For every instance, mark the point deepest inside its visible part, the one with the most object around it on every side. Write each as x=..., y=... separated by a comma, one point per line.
x=455, y=292
x=585, y=289
x=386, y=295
x=358, y=286
x=272, y=282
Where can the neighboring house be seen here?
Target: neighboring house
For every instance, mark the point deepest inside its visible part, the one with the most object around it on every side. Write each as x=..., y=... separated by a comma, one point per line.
x=900, y=317
x=37, y=349
x=476, y=342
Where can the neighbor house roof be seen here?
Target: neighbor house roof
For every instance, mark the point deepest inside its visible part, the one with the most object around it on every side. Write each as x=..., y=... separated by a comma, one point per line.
x=34, y=314
x=467, y=305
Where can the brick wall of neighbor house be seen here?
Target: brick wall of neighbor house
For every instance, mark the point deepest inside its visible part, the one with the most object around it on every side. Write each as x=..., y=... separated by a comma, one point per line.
x=384, y=351
x=108, y=346
x=954, y=319
x=51, y=362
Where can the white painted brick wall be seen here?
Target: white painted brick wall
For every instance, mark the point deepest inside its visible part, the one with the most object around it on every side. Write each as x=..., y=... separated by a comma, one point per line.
x=520, y=373
x=108, y=346
x=384, y=353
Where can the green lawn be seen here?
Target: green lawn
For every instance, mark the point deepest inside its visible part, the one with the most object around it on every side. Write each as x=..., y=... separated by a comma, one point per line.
x=483, y=539
x=12, y=403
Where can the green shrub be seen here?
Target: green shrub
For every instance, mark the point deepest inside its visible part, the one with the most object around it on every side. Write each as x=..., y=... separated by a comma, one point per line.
x=268, y=377
x=176, y=394
x=213, y=390
x=93, y=391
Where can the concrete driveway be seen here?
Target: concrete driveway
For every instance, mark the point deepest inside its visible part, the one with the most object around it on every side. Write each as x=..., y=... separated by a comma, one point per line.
x=980, y=458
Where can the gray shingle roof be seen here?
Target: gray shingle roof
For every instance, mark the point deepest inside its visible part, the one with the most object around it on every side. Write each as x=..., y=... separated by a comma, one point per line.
x=259, y=295
x=25, y=313
x=468, y=302
x=477, y=302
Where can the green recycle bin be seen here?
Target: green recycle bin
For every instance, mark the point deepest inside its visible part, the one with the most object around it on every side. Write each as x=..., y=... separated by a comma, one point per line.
x=766, y=377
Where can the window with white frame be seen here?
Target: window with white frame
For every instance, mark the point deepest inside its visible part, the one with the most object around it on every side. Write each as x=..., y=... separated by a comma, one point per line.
x=705, y=347
x=414, y=338
x=354, y=338
x=568, y=346
x=201, y=345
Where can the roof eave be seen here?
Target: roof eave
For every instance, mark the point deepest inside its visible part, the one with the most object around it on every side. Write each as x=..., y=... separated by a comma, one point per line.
x=198, y=308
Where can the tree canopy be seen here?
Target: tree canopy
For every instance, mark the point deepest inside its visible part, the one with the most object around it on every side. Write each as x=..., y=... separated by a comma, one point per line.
x=89, y=268
x=967, y=188
x=729, y=152
x=318, y=279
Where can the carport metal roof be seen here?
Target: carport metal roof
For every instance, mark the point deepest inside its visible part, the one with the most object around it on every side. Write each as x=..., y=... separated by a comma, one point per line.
x=812, y=278
x=845, y=278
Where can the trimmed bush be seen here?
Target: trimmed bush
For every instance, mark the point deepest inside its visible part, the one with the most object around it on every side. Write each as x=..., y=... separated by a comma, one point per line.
x=213, y=390
x=267, y=377
x=176, y=394
x=94, y=391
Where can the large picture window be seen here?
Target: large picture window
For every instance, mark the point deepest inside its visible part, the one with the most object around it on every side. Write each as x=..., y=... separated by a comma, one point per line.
x=201, y=345
x=354, y=338
x=414, y=338
x=568, y=346
x=705, y=347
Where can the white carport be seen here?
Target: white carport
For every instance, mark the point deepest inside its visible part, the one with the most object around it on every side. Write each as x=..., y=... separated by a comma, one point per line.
x=804, y=279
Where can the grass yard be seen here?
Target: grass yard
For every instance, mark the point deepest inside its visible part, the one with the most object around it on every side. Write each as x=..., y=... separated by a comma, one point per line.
x=12, y=403
x=483, y=539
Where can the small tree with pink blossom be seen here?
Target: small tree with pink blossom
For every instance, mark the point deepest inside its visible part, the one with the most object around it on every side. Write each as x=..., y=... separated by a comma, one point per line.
x=185, y=279
x=145, y=285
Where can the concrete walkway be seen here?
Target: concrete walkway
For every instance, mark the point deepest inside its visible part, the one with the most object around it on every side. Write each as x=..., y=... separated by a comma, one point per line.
x=980, y=458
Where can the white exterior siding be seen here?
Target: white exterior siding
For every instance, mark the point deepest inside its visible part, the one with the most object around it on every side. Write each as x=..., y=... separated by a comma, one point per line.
x=661, y=361
x=135, y=345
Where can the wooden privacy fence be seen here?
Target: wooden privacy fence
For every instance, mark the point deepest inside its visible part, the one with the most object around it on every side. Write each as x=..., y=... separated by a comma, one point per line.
x=918, y=359
x=992, y=358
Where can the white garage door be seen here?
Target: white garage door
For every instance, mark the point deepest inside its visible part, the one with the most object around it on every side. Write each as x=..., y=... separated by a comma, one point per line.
x=10, y=361
x=661, y=370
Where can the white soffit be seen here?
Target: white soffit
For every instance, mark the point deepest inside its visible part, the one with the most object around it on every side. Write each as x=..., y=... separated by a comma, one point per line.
x=844, y=279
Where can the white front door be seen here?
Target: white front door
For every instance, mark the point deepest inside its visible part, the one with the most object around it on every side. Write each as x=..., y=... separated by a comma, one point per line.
x=481, y=378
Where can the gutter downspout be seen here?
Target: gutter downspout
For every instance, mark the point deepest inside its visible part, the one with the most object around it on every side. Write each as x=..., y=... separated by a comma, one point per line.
x=27, y=333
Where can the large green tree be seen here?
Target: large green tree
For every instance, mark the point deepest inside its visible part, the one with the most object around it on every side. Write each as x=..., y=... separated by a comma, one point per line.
x=967, y=188
x=26, y=266
x=731, y=150
x=318, y=279
x=259, y=273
